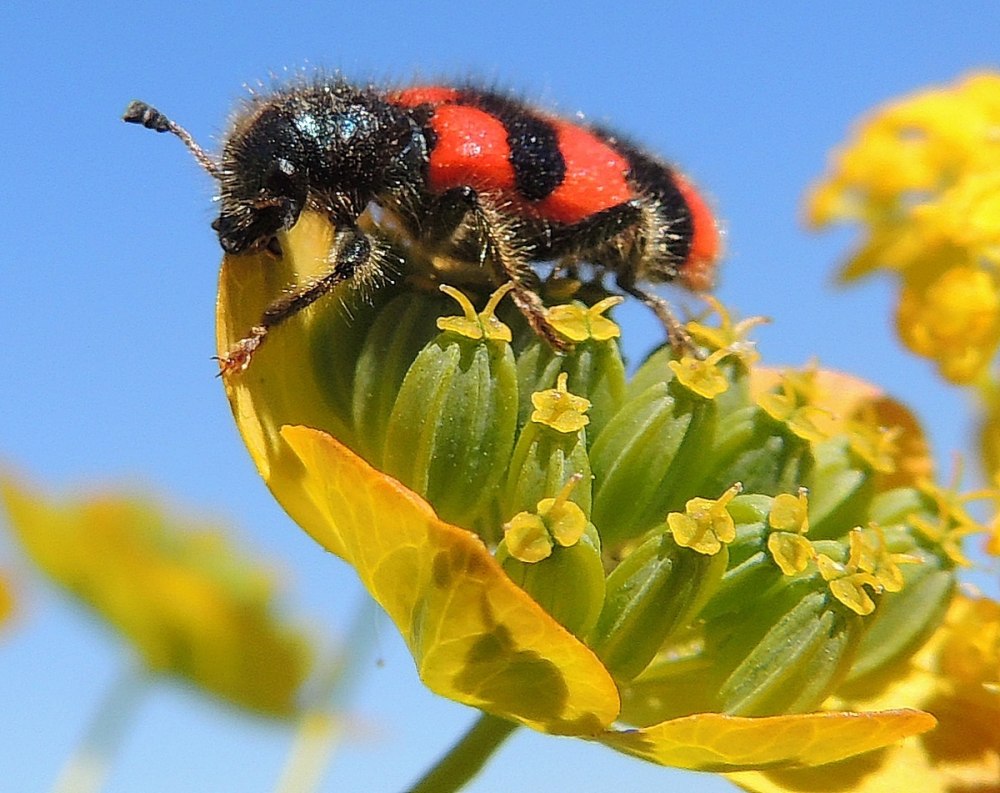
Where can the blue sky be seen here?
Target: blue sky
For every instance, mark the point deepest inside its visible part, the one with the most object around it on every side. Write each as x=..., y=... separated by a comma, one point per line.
x=108, y=286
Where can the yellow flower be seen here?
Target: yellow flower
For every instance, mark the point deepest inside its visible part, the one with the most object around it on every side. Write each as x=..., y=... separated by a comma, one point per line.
x=729, y=335
x=483, y=325
x=953, y=522
x=559, y=409
x=186, y=600
x=851, y=582
x=923, y=176
x=475, y=636
x=530, y=536
x=705, y=525
x=953, y=319
x=580, y=323
x=702, y=377
x=789, y=521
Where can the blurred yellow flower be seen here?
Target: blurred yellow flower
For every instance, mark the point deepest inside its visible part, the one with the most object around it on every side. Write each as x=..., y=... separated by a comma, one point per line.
x=923, y=176
x=953, y=319
x=6, y=600
x=186, y=599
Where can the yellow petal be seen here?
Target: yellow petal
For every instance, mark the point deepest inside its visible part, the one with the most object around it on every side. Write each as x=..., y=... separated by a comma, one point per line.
x=961, y=754
x=791, y=552
x=278, y=388
x=717, y=742
x=187, y=601
x=476, y=637
x=527, y=538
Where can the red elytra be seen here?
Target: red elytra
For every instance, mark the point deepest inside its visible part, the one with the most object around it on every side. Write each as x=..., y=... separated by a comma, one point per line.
x=471, y=148
x=596, y=177
x=698, y=272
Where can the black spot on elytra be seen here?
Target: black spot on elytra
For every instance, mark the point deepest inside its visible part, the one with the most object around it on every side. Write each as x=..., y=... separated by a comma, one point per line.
x=539, y=167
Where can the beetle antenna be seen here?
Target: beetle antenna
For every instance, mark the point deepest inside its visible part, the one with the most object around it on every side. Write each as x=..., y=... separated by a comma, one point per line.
x=148, y=116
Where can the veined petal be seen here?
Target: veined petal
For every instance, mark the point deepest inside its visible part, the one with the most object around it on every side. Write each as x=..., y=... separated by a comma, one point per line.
x=475, y=636
x=280, y=388
x=717, y=742
x=962, y=753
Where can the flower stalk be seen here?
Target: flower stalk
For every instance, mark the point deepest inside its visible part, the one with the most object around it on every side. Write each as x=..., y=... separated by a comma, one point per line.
x=467, y=757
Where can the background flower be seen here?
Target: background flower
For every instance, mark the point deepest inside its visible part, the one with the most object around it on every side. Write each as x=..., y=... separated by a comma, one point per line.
x=183, y=598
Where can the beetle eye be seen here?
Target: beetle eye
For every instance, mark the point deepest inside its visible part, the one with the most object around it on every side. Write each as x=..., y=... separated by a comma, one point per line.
x=274, y=247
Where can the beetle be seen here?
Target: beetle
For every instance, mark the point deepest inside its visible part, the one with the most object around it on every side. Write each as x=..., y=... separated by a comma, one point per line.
x=469, y=173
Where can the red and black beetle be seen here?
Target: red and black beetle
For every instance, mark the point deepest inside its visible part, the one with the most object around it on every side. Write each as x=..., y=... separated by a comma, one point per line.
x=475, y=174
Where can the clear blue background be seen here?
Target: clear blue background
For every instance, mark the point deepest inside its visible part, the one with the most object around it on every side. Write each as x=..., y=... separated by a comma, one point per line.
x=108, y=285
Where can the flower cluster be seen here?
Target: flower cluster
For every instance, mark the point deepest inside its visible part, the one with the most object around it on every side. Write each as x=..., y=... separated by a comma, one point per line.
x=695, y=564
x=187, y=601
x=922, y=175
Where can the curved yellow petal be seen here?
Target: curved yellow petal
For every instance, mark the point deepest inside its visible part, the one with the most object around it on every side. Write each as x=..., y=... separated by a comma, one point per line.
x=279, y=387
x=476, y=637
x=953, y=676
x=717, y=742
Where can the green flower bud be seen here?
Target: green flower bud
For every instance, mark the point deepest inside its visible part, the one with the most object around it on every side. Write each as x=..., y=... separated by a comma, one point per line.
x=335, y=341
x=672, y=686
x=904, y=620
x=568, y=583
x=786, y=652
x=840, y=489
x=396, y=336
x=906, y=617
x=451, y=430
x=660, y=587
x=751, y=447
x=545, y=457
x=652, y=371
x=644, y=457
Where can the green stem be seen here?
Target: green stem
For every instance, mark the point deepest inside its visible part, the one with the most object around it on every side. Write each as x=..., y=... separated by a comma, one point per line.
x=467, y=757
x=88, y=766
x=322, y=726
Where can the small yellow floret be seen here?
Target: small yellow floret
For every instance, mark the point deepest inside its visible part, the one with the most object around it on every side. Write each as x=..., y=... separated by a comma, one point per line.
x=527, y=537
x=483, y=325
x=702, y=377
x=953, y=522
x=530, y=536
x=559, y=409
x=848, y=581
x=580, y=323
x=789, y=520
x=729, y=335
x=705, y=525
